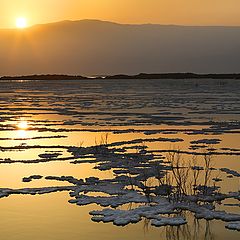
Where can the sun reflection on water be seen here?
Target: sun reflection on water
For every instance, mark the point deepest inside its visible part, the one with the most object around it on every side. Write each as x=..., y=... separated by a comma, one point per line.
x=23, y=125
x=22, y=133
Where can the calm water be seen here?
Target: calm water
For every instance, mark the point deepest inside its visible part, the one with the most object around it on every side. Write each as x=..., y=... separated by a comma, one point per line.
x=47, y=117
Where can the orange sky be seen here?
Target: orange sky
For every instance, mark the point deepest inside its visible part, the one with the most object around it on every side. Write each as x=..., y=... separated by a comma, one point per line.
x=183, y=12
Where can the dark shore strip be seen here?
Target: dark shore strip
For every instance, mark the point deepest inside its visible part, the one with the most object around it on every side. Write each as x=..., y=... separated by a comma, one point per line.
x=125, y=76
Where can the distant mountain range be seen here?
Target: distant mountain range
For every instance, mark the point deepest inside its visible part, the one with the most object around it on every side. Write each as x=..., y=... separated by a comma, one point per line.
x=92, y=47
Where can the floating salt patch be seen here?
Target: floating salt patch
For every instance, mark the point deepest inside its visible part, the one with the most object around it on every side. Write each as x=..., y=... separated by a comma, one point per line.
x=163, y=221
x=234, y=225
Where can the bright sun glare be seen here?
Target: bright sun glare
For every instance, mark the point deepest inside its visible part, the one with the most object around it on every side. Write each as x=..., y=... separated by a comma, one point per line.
x=22, y=125
x=21, y=22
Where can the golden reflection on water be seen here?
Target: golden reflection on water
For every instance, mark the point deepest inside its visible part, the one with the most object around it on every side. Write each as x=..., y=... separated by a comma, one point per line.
x=23, y=125
x=22, y=133
x=75, y=221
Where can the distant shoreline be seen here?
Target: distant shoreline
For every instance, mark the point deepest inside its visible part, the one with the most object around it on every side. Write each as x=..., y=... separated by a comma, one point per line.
x=123, y=76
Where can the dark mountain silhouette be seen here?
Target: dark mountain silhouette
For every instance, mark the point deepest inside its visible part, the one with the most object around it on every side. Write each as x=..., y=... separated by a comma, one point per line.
x=94, y=47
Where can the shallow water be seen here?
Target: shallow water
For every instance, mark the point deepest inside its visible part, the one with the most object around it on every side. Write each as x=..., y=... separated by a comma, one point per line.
x=49, y=116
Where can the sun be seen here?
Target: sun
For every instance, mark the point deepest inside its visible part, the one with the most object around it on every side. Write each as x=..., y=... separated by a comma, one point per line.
x=21, y=22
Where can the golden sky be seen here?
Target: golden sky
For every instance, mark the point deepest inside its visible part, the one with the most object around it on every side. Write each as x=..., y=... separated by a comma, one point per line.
x=182, y=12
